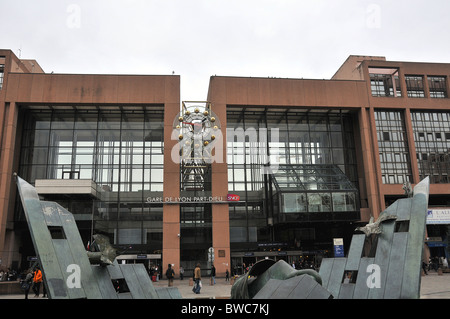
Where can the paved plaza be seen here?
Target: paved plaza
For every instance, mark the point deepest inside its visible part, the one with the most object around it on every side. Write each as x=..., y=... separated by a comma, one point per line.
x=433, y=286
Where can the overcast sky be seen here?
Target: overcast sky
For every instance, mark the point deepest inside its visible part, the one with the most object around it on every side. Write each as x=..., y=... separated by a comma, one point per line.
x=199, y=38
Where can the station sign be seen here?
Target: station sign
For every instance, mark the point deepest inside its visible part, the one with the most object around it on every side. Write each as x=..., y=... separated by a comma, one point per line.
x=193, y=199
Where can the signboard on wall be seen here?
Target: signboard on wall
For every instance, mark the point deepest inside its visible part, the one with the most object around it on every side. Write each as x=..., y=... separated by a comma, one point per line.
x=438, y=216
x=194, y=199
x=338, y=244
x=233, y=198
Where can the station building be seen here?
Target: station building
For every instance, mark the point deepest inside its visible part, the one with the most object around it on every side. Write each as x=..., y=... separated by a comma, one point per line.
x=263, y=168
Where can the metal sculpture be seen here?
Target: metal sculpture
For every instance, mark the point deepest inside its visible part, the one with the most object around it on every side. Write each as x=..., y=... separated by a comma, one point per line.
x=104, y=253
x=268, y=279
x=374, y=227
x=66, y=265
x=393, y=272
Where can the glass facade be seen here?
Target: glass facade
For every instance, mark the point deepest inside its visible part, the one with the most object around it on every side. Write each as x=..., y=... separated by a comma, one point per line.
x=195, y=233
x=432, y=140
x=312, y=156
x=119, y=148
x=314, y=188
x=393, y=147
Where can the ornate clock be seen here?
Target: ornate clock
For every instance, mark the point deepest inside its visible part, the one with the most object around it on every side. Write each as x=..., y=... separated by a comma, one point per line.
x=197, y=128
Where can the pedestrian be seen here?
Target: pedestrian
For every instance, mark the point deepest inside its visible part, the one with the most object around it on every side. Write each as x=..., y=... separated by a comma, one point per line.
x=181, y=272
x=227, y=275
x=197, y=279
x=213, y=275
x=37, y=279
x=424, y=267
x=25, y=283
x=170, y=273
x=157, y=272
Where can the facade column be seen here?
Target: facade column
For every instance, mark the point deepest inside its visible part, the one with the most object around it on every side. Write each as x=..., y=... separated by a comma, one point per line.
x=171, y=212
x=7, y=185
x=376, y=163
x=426, y=87
x=411, y=147
x=220, y=212
x=370, y=167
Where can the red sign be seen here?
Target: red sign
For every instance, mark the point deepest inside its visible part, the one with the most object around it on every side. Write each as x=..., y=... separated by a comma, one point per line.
x=233, y=198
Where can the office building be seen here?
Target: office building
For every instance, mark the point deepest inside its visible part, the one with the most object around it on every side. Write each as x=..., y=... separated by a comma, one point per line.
x=264, y=168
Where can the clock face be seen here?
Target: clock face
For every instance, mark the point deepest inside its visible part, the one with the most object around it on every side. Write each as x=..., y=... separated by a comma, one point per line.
x=197, y=128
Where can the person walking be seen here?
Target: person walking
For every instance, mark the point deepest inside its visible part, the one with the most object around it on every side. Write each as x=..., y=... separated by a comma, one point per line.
x=170, y=273
x=227, y=275
x=37, y=279
x=26, y=282
x=197, y=279
x=181, y=273
x=424, y=267
x=213, y=275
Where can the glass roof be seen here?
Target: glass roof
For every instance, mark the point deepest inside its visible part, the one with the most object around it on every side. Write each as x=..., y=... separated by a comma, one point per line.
x=311, y=177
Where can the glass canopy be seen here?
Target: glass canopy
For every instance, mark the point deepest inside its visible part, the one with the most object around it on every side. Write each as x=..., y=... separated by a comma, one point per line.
x=314, y=188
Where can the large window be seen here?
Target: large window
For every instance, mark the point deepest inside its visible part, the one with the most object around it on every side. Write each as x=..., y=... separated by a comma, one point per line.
x=314, y=188
x=385, y=82
x=2, y=74
x=120, y=148
x=308, y=152
x=415, y=86
x=303, y=138
x=195, y=233
x=437, y=86
x=432, y=140
x=120, y=151
x=393, y=147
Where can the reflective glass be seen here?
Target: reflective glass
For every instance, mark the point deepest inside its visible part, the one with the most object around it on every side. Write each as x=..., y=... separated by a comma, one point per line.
x=432, y=142
x=309, y=156
x=391, y=133
x=121, y=151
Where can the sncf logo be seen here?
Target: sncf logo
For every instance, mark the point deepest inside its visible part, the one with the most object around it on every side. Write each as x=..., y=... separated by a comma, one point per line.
x=233, y=198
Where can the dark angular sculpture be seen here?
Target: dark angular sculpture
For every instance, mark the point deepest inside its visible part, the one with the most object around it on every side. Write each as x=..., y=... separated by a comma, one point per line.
x=69, y=271
x=384, y=262
x=268, y=279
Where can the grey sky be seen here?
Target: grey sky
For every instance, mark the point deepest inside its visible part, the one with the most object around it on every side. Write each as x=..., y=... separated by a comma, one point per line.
x=200, y=38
